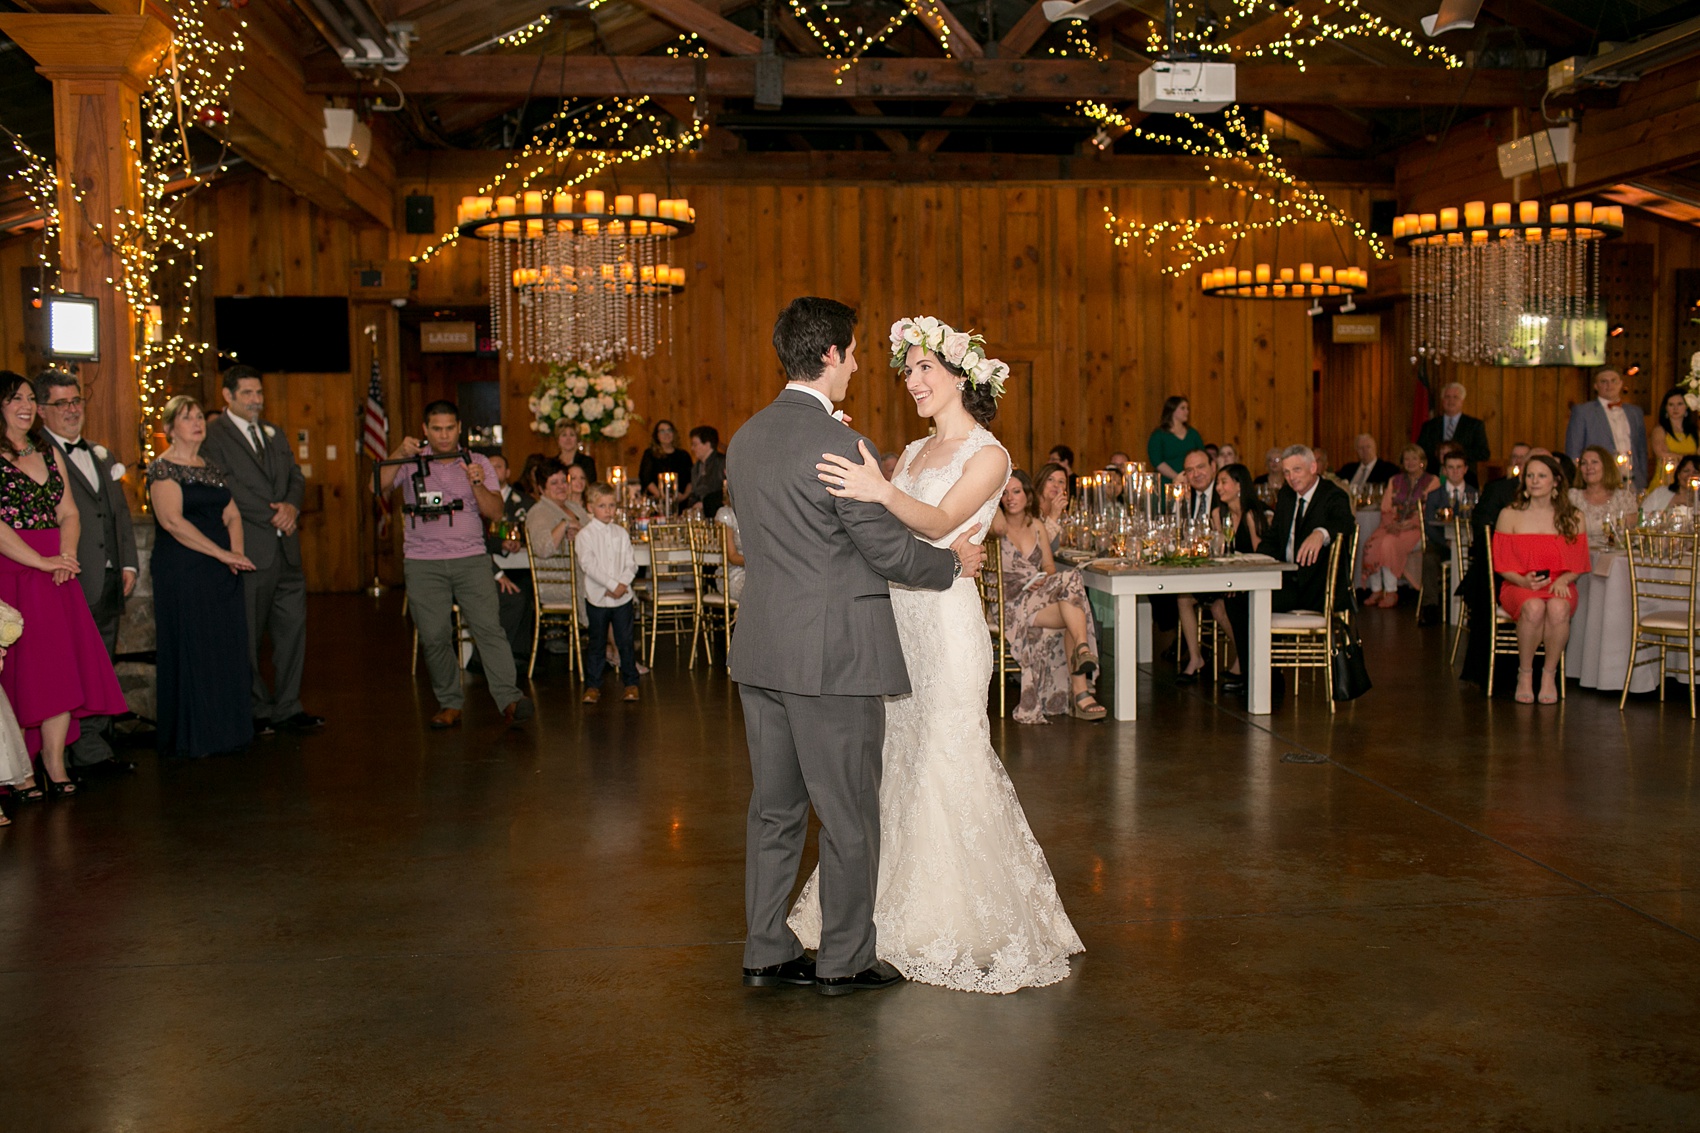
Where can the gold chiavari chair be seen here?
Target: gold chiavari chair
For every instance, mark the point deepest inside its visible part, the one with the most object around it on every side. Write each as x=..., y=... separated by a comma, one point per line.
x=556, y=571
x=674, y=596
x=1422, y=550
x=1505, y=627
x=718, y=608
x=1304, y=639
x=1463, y=538
x=1662, y=569
x=991, y=587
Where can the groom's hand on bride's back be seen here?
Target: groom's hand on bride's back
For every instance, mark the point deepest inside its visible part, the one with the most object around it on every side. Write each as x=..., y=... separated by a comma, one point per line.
x=972, y=555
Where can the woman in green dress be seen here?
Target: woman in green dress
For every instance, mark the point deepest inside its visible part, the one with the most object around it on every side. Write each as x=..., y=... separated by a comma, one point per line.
x=1173, y=439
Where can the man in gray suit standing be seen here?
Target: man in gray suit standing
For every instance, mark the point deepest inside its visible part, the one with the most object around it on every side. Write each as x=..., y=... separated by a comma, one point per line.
x=1611, y=423
x=106, y=546
x=260, y=469
x=815, y=649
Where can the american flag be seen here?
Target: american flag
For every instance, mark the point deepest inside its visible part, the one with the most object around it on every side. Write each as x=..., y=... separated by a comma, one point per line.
x=375, y=436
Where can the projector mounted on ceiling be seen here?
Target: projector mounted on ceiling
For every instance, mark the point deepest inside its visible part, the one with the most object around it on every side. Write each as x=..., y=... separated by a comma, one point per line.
x=1174, y=86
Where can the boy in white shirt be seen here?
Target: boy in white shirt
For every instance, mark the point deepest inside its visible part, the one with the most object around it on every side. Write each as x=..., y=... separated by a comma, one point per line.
x=607, y=567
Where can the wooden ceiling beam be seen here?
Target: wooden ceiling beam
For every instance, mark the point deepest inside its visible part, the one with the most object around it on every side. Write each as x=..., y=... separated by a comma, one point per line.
x=894, y=140
x=1331, y=124
x=1028, y=30
x=687, y=15
x=946, y=80
x=1541, y=21
x=953, y=35
x=933, y=139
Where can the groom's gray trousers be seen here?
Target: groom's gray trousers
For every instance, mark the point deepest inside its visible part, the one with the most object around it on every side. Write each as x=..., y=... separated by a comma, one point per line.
x=814, y=650
x=824, y=748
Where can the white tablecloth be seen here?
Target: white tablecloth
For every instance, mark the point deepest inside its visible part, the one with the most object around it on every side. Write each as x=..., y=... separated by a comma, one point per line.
x=1369, y=518
x=1600, y=632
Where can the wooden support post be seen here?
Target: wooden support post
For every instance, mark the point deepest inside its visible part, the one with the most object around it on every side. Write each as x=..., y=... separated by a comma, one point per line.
x=98, y=66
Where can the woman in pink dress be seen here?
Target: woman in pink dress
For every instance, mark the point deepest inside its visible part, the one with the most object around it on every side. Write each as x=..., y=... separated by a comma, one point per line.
x=1388, y=555
x=1540, y=549
x=58, y=672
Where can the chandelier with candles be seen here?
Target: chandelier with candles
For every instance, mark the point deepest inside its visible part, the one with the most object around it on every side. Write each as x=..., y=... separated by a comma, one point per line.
x=573, y=280
x=1514, y=285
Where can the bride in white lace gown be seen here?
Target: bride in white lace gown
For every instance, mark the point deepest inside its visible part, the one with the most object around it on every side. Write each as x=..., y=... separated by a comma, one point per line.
x=966, y=899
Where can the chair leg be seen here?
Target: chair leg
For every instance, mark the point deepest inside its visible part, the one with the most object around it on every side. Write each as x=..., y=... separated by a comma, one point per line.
x=413, y=669
x=1493, y=659
x=1628, y=672
x=536, y=632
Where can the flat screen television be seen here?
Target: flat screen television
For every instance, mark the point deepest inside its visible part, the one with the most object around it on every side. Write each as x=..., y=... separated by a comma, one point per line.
x=287, y=334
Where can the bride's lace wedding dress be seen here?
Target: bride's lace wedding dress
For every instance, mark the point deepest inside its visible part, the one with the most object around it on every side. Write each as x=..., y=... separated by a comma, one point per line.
x=966, y=899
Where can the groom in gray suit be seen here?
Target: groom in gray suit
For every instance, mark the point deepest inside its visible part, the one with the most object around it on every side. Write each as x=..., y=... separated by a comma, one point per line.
x=268, y=487
x=815, y=649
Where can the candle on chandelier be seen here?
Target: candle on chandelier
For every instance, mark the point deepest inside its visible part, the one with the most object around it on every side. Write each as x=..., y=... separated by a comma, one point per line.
x=646, y=204
x=595, y=200
x=1243, y=277
x=623, y=204
x=1428, y=222
x=1475, y=213
x=1478, y=237
x=661, y=274
x=616, y=228
x=1398, y=227
x=1502, y=212
x=1532, y=235
x=639, y=227
x=533, y=201
x=1584, y=212
x=1448, y=218
x=1307, y=272
x=1561, y=214
x=1286, y=275
x=505, y=207
x=677, y=277
x=1325, y=273
x=1529, y=212
x=666, y=210
x=1262, y=273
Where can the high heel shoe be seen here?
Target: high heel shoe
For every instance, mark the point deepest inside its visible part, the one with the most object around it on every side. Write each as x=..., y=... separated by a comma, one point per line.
x=1528, y=697
x=30, y=794
x=1081, y=710
x=56, y=789
x=1085, y=663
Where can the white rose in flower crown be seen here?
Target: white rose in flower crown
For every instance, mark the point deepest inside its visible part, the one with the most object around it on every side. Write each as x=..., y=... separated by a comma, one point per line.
x=971, y=360
x=896, y=334
x=912, y=335
x=955, y=347
x=930, y=327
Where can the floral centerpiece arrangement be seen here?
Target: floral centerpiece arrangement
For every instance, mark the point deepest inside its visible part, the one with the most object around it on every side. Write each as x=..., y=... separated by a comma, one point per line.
x=593, y=398
x=1691, y=383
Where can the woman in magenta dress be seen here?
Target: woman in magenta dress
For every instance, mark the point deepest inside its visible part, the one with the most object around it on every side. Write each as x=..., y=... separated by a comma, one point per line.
x=1388, y=555
x=58, y=672
x=1540, y=549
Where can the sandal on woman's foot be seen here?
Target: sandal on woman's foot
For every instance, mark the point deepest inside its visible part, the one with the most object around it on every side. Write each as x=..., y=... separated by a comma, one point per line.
x=1547, y=698
x=1085, y=662
x=56, y=789
x=1085, y=708
x=1525, y=697
x=29, y=794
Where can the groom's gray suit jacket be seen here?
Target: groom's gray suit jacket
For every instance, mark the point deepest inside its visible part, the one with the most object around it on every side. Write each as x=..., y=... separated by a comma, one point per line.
x=815, y=614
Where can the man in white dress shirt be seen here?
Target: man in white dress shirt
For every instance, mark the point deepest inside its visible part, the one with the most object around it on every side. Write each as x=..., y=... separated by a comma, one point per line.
x=1612, y=423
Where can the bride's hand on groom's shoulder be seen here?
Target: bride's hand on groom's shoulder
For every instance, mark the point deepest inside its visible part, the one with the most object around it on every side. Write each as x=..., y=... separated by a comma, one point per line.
x=849, y=480
x=972, y=555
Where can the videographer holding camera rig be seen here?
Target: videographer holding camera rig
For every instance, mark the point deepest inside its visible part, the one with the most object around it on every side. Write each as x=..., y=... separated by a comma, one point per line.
x=447, y=496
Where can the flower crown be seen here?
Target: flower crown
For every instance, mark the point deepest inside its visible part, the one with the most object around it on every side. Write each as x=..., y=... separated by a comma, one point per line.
x=964, y=350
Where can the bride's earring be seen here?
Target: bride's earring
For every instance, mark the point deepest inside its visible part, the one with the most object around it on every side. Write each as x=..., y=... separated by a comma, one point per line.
x=963, y=384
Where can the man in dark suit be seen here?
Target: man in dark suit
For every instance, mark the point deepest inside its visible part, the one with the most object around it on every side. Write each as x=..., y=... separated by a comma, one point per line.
x=259, y=467
x=815, y=651
x=1368, y=468
x=106, y=546
x=1455, y=425
x=1439, y=507
x=1310, y=513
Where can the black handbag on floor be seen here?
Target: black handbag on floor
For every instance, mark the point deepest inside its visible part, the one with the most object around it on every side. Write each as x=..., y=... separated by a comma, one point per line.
x=1351, y=675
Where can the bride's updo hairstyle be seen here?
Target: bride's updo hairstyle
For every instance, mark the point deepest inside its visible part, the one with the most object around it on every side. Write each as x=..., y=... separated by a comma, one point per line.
x=962, y=354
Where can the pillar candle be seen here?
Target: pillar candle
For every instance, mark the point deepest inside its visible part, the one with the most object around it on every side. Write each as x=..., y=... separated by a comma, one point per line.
x=1529, y=212
x=563, y=202
x=623, y=205
x=1584, y=212
x=677, y=277
x=1502, y=212
x=1262, y=273
x=595, y=201
x=1448, y=218
x=1428, y=221
x=640, y=228
x=1325, y=273
x=1307, y=272
x=1398, y=227
x=505, y=206
x=534, y=229
x=646, y=204
x=1475, y=213
x=533, y=201
x=1561, y=214
x=1286, y=275
x=1243, y=277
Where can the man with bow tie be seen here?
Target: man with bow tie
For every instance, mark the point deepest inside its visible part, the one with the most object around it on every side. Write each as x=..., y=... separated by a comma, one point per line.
x=260, y=469
x=1611, y=423
x=106, y=545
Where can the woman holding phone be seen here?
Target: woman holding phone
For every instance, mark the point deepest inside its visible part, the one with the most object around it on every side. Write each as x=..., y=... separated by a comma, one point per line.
x=1540, y=549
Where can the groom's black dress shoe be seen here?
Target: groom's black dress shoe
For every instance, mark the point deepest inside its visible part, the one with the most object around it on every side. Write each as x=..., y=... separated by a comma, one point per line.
x=873, y=979
x=798, y=973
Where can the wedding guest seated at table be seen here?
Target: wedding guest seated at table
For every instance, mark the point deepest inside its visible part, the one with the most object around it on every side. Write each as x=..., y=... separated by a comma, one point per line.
x=1678, y=432
x=1199, y=476
x=555, y=520
x=1327, y=470
x=1051, y=487
x=1119, y=460
x=726, y=517
x=1172, y=439
x=1236, y=499
x=1387, y=557
x=662, y=455
x=1539, y=549
x=1368, y=468
x=1270, y=480
x=1447, y=500
x=1310, y=513
x=608, y=568
x=1683, y=488
x=708, y=472
x=1211, y=451
x=1602, y=495
x=1227, y=454
x=1047, y=616
x=1474, y=588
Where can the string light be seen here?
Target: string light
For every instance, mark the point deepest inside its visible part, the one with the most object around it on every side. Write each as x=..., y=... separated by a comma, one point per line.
x=595, y=137
x=1264, y=179
x=1306, y=30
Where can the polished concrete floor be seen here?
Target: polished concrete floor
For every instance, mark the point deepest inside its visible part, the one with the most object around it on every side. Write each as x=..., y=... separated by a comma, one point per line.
x=1471, y=916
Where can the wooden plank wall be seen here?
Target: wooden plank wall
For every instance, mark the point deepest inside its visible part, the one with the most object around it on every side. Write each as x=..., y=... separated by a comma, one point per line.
x=1106, y=337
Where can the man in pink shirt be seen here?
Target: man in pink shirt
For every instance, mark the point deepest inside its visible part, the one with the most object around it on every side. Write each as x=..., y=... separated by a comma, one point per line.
x=446, y=564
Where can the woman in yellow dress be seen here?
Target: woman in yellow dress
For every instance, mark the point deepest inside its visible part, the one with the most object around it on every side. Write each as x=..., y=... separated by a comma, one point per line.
x=1676, y=435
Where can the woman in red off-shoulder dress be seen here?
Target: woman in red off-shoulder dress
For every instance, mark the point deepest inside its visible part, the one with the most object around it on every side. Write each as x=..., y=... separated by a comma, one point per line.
x=1540, y=549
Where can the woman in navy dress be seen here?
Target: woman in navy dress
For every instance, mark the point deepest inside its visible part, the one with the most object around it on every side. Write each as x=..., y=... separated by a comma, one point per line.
x=199, y=615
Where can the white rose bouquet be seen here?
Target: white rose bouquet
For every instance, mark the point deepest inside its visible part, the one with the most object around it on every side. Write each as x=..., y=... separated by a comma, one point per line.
x=11, y=626
x=1691, y=384
x=597, y=402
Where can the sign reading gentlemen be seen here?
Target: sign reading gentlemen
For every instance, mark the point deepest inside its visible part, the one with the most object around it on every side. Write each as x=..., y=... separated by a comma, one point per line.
x=262, y=475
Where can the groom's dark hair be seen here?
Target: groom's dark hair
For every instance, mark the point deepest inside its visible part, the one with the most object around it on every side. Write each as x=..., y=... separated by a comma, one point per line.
x=806, y=330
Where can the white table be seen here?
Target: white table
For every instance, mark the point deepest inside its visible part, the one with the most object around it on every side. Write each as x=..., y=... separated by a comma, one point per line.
x=1130, y=592
x=1600, y=631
